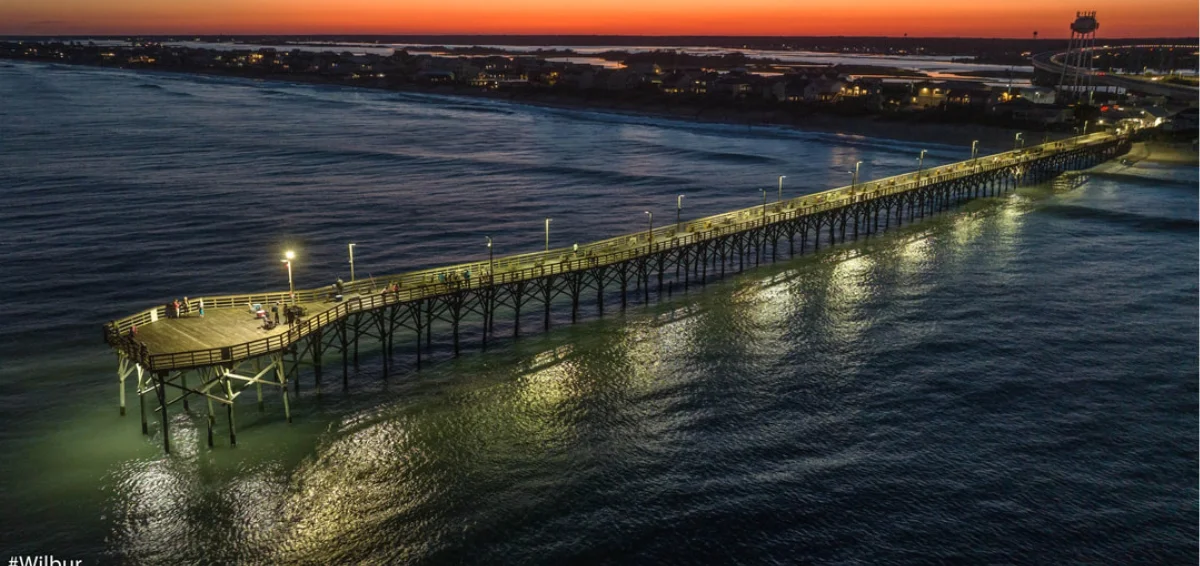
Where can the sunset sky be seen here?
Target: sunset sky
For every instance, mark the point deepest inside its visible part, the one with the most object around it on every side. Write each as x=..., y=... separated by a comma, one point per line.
x=932, y=18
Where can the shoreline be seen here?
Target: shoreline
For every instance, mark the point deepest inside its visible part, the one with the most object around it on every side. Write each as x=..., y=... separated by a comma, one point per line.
x=873, y=126
x=943, y=133
x=1152, y=160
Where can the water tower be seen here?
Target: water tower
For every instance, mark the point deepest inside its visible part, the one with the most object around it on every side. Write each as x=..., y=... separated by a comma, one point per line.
x=1077, y=65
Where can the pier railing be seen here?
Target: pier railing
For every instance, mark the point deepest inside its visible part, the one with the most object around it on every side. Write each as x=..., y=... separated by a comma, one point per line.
x=509, y=269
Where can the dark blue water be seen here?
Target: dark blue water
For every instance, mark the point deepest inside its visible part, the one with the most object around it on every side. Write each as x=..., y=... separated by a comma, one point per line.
x=1015, y=382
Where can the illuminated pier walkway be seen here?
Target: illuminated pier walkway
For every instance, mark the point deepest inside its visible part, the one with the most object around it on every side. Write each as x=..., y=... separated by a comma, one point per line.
x=227, y=351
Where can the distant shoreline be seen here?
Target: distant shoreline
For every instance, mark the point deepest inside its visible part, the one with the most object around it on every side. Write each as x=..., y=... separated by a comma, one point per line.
x=945, y=133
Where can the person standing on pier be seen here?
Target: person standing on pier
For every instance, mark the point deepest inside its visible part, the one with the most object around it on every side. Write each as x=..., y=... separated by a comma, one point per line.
x=186, y=308
x=275, y=311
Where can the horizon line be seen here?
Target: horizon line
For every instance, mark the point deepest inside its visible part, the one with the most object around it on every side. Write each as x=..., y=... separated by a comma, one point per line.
x=573, y=35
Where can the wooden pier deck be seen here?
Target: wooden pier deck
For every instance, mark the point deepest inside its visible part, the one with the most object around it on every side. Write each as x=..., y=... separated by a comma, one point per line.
x=228, y=344
x=217, y=328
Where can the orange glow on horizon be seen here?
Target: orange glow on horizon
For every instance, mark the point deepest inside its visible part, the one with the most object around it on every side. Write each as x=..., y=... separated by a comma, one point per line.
x=931, y=18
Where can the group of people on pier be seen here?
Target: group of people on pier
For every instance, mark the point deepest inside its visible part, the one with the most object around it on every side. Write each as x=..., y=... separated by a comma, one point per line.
x=177, y=308
x=291, y=314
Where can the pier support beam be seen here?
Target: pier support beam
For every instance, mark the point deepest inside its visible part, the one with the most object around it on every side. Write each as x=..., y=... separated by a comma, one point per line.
x=125, y=366
x=281, y=376
x=229, y=411
x=141, y=389
x=160, y=390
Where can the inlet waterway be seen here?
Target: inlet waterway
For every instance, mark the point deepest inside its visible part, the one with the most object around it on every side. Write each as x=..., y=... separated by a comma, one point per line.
x=1012, y=382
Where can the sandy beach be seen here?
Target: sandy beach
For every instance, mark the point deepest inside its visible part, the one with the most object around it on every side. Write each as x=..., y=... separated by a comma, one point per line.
x=1147, y=160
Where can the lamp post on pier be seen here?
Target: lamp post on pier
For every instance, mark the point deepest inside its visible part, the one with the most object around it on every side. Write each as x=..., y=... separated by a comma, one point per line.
x=351, y=262
x=1018, y=139
x=548, y=234
x=974, y=151
x=920, y=164
x=781, y=178
x=678, y=212
x=854, y=179
x=491, y=260
x=650, y=232
x=764, y=212
x=288, y=256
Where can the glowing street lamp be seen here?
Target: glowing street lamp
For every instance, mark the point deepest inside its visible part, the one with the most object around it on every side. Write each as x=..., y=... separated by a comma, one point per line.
x=781, y=178
x=764, y=212
x=548, y=234
x=491, y=259
x=854, y=179
x=974, y=151
x=1018, y=139
x=351, y=262
x=678, y=211
x=920, y=164
x=650, y=232
x=288, y=256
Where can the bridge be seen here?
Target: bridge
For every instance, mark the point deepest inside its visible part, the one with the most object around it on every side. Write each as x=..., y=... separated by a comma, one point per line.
x=1052, y=62
x=224, y=349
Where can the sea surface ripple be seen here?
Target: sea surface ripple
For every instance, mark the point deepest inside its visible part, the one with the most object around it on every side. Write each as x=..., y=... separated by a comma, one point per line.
x=1012, y=382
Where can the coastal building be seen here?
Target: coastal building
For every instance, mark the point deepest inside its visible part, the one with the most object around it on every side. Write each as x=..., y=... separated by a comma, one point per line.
x=786, y=89
x=926, y=94
x=971, y=96
x=824, y=89
x=1024, y=110
x=734, y=87
x=685, y=82
x=1037, y=94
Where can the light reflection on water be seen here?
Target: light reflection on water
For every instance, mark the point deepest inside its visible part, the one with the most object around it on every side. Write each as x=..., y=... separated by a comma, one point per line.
x=897, y=393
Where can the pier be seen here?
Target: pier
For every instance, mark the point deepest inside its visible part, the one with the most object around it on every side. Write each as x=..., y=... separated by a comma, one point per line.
x=215, y=358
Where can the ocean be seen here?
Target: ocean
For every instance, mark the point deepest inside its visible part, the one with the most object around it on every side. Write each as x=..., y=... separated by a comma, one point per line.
x=1011, y=382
